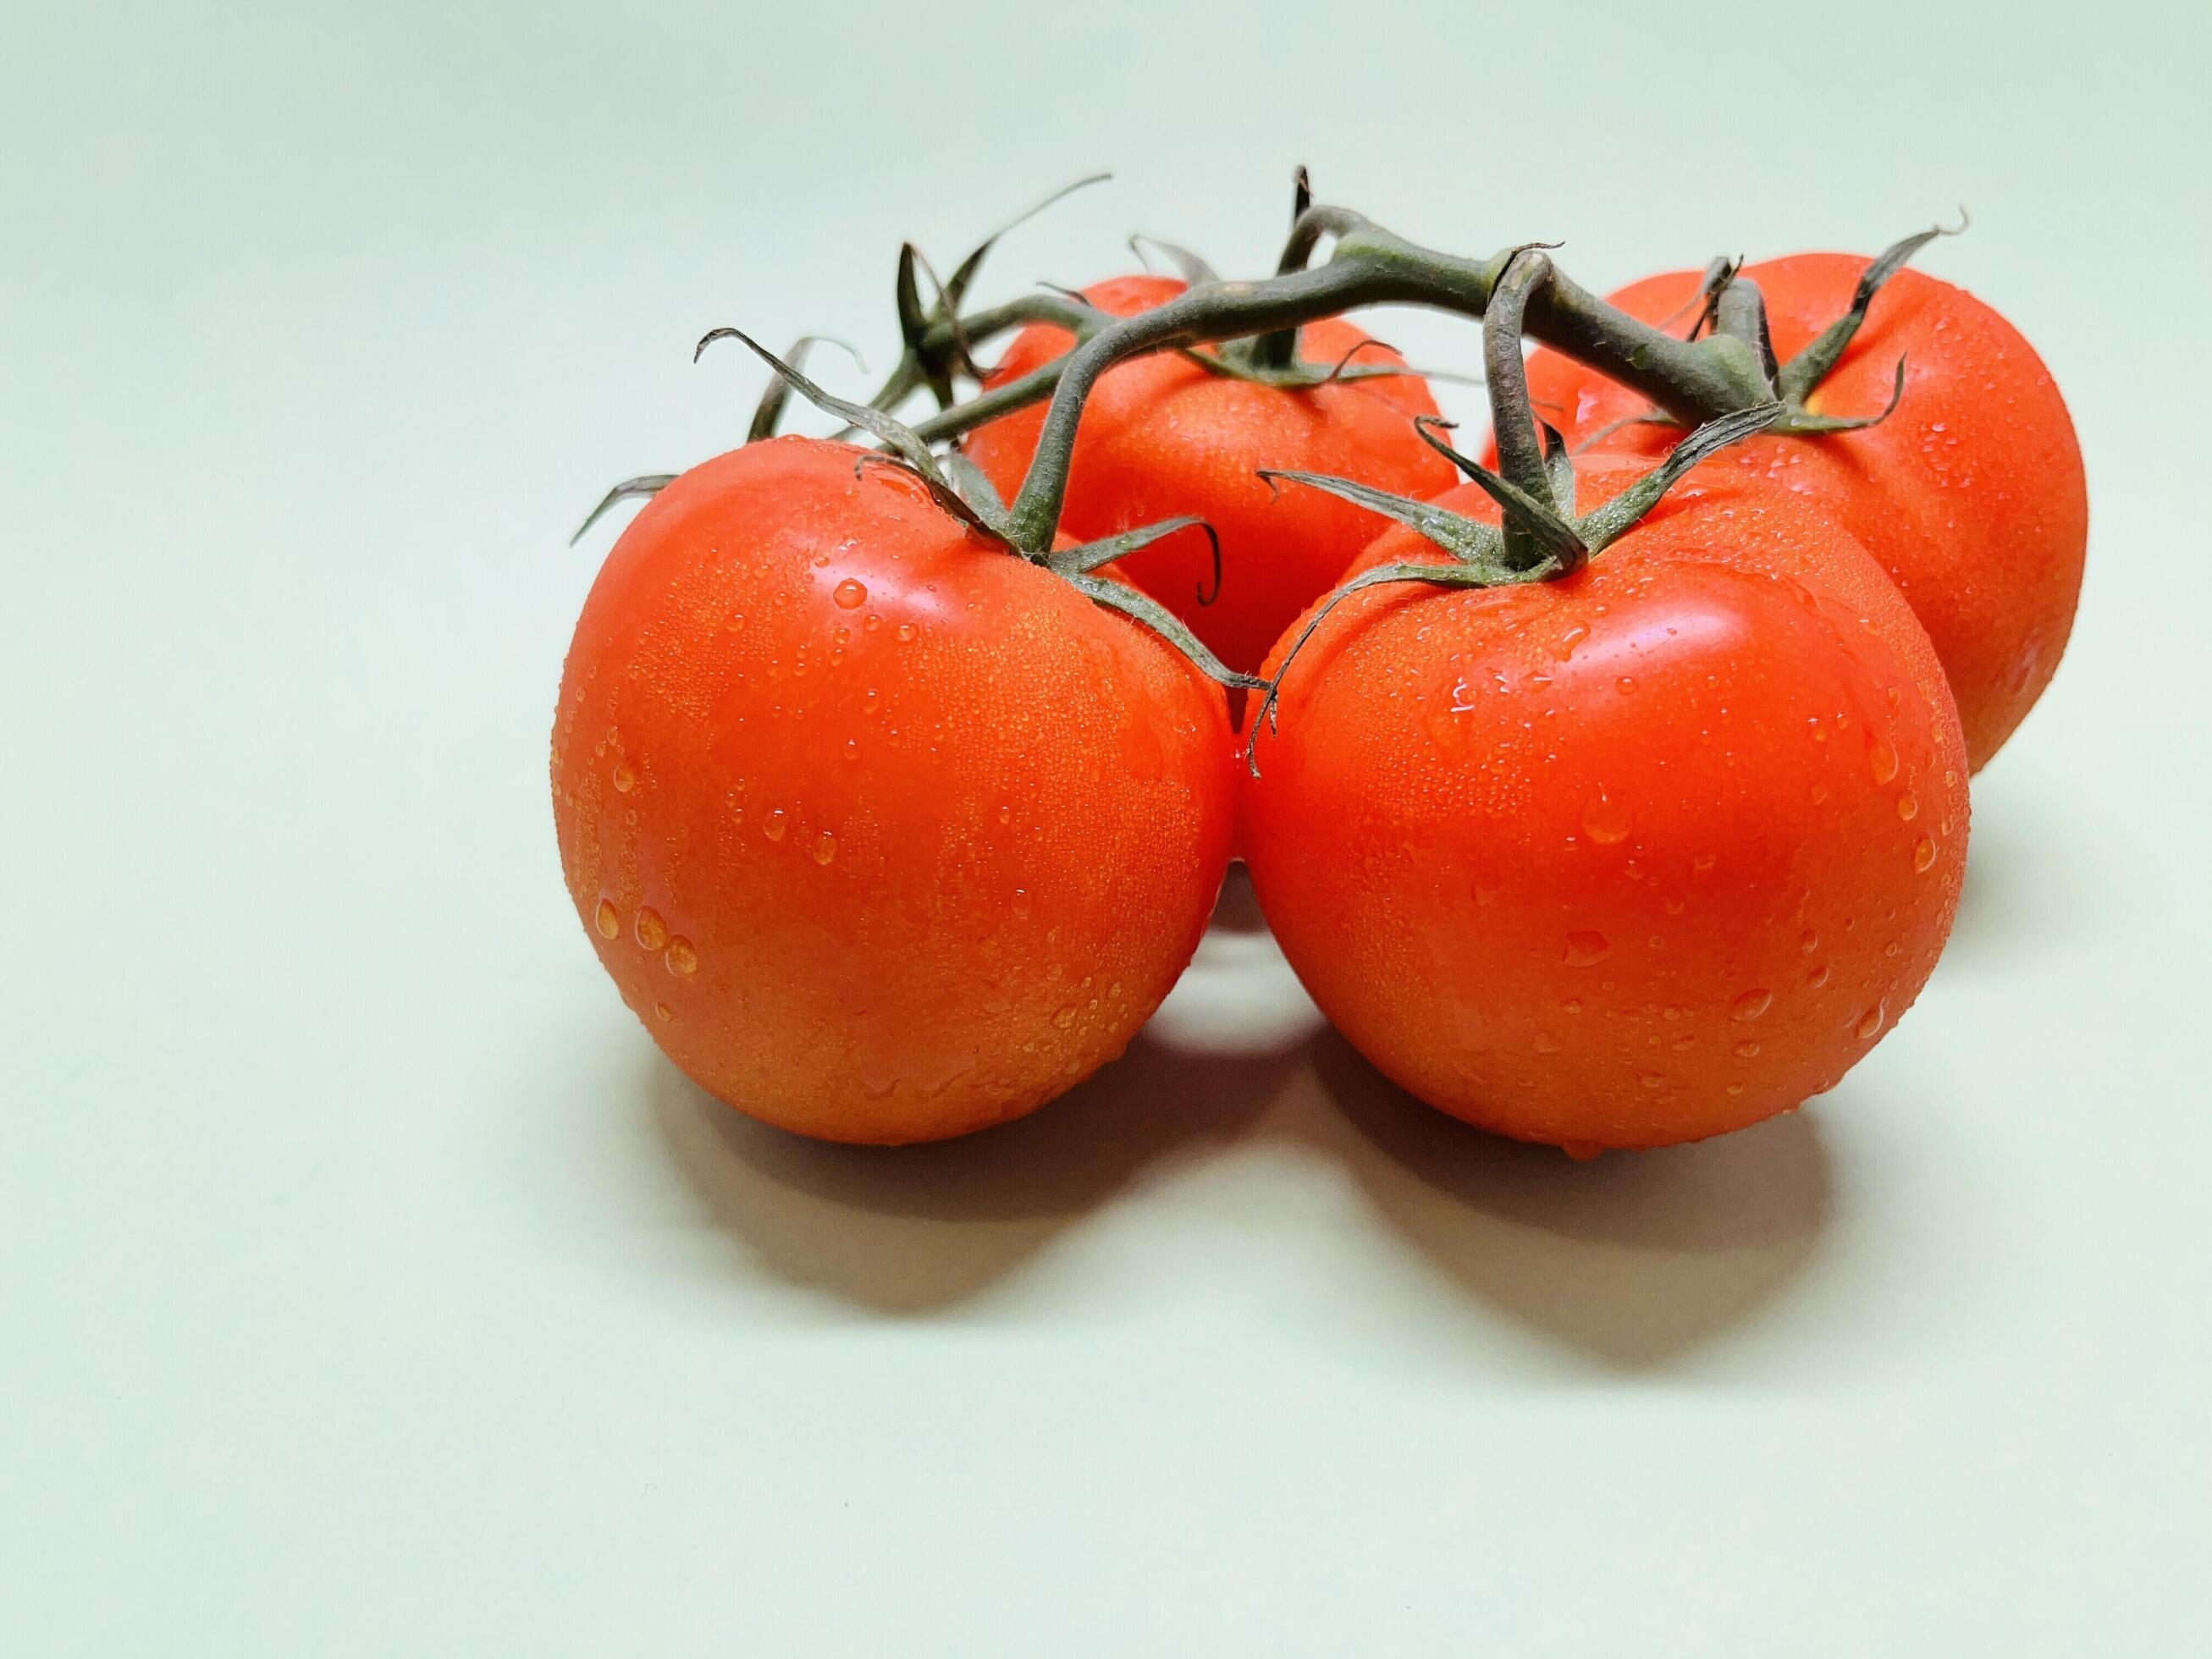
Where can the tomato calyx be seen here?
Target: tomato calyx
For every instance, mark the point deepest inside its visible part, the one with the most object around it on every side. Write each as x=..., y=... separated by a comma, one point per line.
x=1540, y=536
x=983, y=516
x=1482, y=555
x=959, y=486
x=1732, y=305
x=939, y=343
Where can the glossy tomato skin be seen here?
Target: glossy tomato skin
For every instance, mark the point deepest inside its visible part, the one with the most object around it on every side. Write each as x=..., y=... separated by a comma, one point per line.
x=1635, y=857
x=1971, y=494
x=1161, y=436
x=884, y=833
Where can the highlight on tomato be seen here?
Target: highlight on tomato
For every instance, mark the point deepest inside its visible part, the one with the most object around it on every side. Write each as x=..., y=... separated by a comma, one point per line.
x=1616, y=830
x=886, y=832
x=1968, y=489
x=1175, y=433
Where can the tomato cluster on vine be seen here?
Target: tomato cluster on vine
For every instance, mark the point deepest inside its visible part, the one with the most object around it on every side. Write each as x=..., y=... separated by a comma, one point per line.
x=1608, y=791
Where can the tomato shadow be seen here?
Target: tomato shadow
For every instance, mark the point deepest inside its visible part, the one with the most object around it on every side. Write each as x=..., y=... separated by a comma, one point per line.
x=1633, y=1261
x=915, y=1229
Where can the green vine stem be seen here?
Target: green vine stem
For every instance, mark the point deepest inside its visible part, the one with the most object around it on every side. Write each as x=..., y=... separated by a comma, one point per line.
x=1694, y=381
x=1512, y=417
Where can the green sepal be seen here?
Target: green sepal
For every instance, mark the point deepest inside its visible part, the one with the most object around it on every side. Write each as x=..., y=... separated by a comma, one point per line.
x=1649, y=417
x=1800, y=420
x=1469, y=541
x=1805, y=371
x=1559, y=465
x=1142, y=607
x=768, y=414
x=1091, y=555
x=1607, y=523
x=1243, y=359
x=963, y=274
x=973, y=484
x=935, y=368
x=1548, y=525
x=1719, y=273
x=906, y=445
x=1191, y=267
x=1437, y=575
x=645, y=483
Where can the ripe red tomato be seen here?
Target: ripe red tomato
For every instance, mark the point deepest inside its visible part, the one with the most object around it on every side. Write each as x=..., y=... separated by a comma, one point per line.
x=1162, y=436
x=1636, y=856
x=885, y=833
x=1970, y=493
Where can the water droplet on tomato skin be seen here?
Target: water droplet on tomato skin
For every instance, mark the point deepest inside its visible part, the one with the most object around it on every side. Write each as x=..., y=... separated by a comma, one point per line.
x=1869, y=1026
x=774, y=824
x=824, y=848
x=607, y=919
x=1605, y=821
x=651, y=930
x=1907, y=808
x=663, y=1012
x=1573, y=637
x=1923, y=854
x=1817, y=975
x=849, y=594
x=680, y=958
x=1881, y=759
x=625, y=779
x=1751, y=1005
x=1585, y=948
x=906, y=631
x=1746, y=1050
x=1020, y=903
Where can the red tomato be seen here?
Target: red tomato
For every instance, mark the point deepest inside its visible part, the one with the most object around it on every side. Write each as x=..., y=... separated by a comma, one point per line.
x=1636, y=856
x=885, y=833
x=1162, y=436
x=1971, y=494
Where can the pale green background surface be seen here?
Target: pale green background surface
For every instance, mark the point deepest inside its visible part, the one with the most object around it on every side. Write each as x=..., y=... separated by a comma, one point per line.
x=367, y=1284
